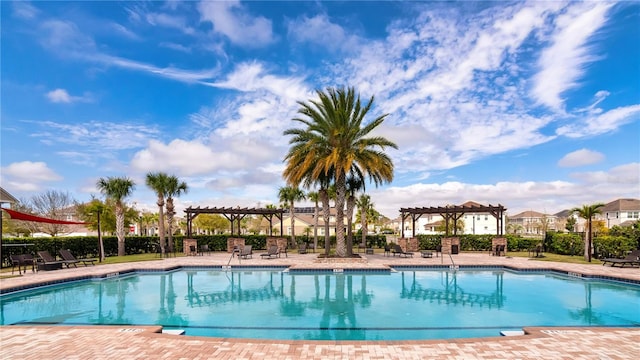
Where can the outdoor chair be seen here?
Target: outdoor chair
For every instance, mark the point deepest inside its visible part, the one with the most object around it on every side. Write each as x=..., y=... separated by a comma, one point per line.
x=246, y=252
x=387, y=250
x=426, y=253
x=302, y=249
x=499, y=249
x=633, y=259
x=68, y=256
x=272, y=251
x=204, y=249
x=21, y=260
x=48, y=262
x=397, y=250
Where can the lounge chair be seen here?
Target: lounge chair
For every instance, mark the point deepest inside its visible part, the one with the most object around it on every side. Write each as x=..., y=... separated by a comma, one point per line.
x=397, y=250
x=48, y=262
x=426, y=253
x=302, y=249
x=246, y=252
x=68, y=256
x=272, y=251
x=632, y=259
x=387, y=250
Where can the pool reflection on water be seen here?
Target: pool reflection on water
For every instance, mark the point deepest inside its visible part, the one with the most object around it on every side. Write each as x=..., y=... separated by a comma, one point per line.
x=420, y=304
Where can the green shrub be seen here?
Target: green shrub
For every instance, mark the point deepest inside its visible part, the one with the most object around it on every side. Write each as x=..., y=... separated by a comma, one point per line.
x=564, y=244
x=613, y=246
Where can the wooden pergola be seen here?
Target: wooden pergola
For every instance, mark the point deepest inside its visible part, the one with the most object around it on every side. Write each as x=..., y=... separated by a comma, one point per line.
x=234, y=215
x=452, y=213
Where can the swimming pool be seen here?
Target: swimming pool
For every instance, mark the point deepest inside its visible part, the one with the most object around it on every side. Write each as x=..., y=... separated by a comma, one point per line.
x=275, y=304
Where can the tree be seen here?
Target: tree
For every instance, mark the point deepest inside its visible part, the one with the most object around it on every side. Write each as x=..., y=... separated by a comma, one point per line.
x=211, y=223
x=335, y=143
x=365, y=205
x=315, y=197
x=587, y=212
x=158, y=182
x=53, y=204
x=117, y=189
x=174, y=188
x=288, y=195
x=354, y=184
x=571, y=224
x=91, y=213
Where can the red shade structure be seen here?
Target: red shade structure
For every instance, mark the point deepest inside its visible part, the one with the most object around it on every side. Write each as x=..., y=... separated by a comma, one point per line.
x=17, y=215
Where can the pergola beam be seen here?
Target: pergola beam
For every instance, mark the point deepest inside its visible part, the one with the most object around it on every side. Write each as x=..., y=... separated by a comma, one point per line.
x=232, y=214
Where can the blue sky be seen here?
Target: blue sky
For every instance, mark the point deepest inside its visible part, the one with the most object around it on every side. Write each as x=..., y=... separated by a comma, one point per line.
x=533, y=105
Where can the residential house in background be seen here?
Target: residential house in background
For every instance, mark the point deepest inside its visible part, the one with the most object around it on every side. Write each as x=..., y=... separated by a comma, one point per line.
x=475, y=223
x=531, y=223
x=621, y=212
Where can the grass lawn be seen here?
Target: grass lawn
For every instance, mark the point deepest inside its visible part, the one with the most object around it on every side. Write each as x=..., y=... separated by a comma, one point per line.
x=576, y=259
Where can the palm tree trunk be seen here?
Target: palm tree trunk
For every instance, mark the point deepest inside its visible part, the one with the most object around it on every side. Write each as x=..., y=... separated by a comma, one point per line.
x=341, y=248
x=363, y=226
x=293, y=226
x=324, y=196
x=350, y=205
x=170, y=214
x=587, y=245
x=315, y=226
x=120, y=229
x=161, y=224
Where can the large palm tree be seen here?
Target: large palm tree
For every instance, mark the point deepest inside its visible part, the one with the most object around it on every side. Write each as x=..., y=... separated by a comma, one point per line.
x=335, y=141
x=174, y=188
x=158, y=182
x=117, y=189
x=365, y=205
x=289, y=195
x=588, y=212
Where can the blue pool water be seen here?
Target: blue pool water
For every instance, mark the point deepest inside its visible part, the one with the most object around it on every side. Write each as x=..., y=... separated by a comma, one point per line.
x=420, y=304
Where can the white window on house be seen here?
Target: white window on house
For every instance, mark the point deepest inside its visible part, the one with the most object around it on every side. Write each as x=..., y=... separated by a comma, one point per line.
x=616, y=214
x=486, y=217
x=633, y=214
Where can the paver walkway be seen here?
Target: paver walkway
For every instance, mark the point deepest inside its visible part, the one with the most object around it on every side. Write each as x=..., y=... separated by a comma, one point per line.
x=118, y=342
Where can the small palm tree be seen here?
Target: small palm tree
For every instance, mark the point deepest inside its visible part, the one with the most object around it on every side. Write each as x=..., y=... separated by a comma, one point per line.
x=175, y=188
x=365, y=205
x=587, y=212
x=315, y=197
x=158, y=182
x=289, y=195
x=354, y=184
x=117, y=189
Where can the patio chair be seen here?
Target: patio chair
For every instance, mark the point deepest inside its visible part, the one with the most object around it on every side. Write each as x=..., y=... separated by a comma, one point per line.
x=19, y=261
x=246, y=252
x=48, y=262
x=204, y=249
x=387, y=250
x=272, y=251
x=633, y=259
x=302, y=249
x=397, y=250
x=426, y=253
x=68, y=256
x=499, y=249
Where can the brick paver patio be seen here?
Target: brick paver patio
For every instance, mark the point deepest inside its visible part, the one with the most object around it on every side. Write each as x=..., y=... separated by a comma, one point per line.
x=130, y=342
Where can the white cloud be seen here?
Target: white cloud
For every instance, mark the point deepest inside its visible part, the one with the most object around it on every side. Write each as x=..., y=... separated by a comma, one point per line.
x=319, y=30
x=580, y=157
x=232, y=20
x=98, y=135
x=596, y=124
x=28, y=175
x=564, y=62
x=24, y=10
x=549, y=196
x=62, y=96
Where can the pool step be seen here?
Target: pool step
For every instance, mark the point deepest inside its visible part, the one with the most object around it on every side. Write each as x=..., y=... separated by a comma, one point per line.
x=173, y=332
x=512, y=332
